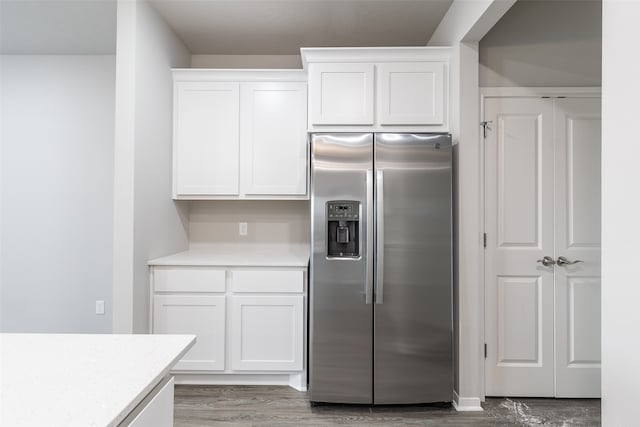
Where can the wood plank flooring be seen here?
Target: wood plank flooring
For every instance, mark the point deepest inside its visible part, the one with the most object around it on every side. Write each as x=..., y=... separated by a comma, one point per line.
x=283, y=406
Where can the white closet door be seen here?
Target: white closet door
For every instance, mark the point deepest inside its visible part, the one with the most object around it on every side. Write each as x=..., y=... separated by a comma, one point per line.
x=519, y=225
x=577, y=135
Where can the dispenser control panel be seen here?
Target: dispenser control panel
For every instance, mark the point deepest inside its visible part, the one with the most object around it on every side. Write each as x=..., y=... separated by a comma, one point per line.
x=347, y=211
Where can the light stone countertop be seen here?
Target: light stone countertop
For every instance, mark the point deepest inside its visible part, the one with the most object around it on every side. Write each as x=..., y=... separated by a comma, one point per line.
x=239, y=255
x=81, y=379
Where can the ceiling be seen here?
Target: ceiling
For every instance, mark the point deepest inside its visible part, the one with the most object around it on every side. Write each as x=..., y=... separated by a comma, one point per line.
x=57, y=27
x=224, y=27
x=282, y=27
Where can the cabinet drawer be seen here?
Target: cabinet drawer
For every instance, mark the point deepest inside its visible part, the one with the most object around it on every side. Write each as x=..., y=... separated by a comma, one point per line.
x=258, y=281
x=189, y=279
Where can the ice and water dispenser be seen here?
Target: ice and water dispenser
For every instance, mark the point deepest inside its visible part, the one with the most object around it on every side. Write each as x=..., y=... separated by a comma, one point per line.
x=343, y=227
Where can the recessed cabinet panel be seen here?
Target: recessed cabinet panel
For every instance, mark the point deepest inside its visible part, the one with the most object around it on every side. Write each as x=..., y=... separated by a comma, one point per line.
x=341, y=94
x=273, y=138
x=202, y=315
x=266, y=333
x=410, y=93
x=206, y=141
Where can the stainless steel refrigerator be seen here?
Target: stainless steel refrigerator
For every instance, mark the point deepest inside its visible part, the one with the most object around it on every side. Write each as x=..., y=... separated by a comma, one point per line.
x=380, y=278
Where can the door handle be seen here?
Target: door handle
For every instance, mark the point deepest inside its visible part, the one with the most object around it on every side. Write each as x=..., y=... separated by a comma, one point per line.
x=368, y=292
x=547, y=261
x=379, y=235
x=564, y=261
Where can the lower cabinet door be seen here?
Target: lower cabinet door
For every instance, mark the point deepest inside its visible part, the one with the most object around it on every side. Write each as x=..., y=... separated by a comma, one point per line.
x=267, y=333
x=202, y=315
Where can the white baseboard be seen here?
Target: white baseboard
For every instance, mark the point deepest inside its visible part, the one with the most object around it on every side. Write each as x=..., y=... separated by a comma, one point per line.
x=466, y=404
x=298, y=382
x=295, y=381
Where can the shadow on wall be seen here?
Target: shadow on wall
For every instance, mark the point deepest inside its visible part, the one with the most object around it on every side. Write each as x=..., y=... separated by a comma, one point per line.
x=544, y=43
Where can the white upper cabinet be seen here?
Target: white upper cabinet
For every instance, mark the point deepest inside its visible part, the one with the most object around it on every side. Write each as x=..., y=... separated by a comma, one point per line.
x=206, y=138
x=341, y=94
x=410, y=93
x=240, y=134
x=378, y=89
x=273, y=136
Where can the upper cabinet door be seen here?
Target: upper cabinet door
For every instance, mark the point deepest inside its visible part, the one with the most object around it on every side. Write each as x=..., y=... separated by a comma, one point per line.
x=274, y=138
x=411, y=93
x=206, y=138
x=341, y=94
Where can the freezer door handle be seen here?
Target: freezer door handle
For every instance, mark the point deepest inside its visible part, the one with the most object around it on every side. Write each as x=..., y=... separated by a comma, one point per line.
x=368, y=295
x=379, y=235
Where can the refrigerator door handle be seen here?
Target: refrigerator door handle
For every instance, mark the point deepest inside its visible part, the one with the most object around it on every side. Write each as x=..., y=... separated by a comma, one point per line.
x=379, y=235
x=369, y=236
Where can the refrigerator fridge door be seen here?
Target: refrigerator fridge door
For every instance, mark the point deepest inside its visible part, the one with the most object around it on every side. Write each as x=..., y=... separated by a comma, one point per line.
x=341, y=290
x=413, y=338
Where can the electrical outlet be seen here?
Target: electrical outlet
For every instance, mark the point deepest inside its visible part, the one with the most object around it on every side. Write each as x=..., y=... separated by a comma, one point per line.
x=99, y=307
x=242, y=229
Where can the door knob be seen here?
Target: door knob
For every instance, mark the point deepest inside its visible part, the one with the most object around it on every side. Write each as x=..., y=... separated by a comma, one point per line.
x=547, y=261
x=564, y=261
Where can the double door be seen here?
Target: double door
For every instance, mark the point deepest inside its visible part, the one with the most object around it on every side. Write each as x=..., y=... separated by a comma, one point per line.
x=381, y=329
x=542, y=256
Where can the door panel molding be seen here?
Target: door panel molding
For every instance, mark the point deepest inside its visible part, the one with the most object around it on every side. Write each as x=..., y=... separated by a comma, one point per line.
x=509, y=194
x=510, y=321
x=579, y=353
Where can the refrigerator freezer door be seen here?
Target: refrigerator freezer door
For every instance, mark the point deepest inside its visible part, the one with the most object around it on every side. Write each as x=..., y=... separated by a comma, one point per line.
x=413, y=340
x=341, y=315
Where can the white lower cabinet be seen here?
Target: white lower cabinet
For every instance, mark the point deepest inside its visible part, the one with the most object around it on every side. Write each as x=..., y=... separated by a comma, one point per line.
x=249, y=322
x=202, y=315
x=156, y=410
x=266, y=333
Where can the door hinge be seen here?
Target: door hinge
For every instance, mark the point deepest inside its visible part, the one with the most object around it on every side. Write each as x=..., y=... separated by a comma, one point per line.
x=485, y=127
x=485, y=350
x=484, y=240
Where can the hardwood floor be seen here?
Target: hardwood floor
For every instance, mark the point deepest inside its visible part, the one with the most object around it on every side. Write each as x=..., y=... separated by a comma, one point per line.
x=283, y=406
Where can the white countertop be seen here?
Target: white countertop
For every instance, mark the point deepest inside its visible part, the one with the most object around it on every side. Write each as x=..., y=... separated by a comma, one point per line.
x=80, y=379
x=240, y=255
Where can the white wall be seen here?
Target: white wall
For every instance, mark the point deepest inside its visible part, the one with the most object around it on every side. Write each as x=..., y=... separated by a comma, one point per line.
x=620, y=213
x=268, y=222
x=246, y=61
x=160, y=224
x=544, y=43
x=462, y=27
x=149, y=224
x=57, y=116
